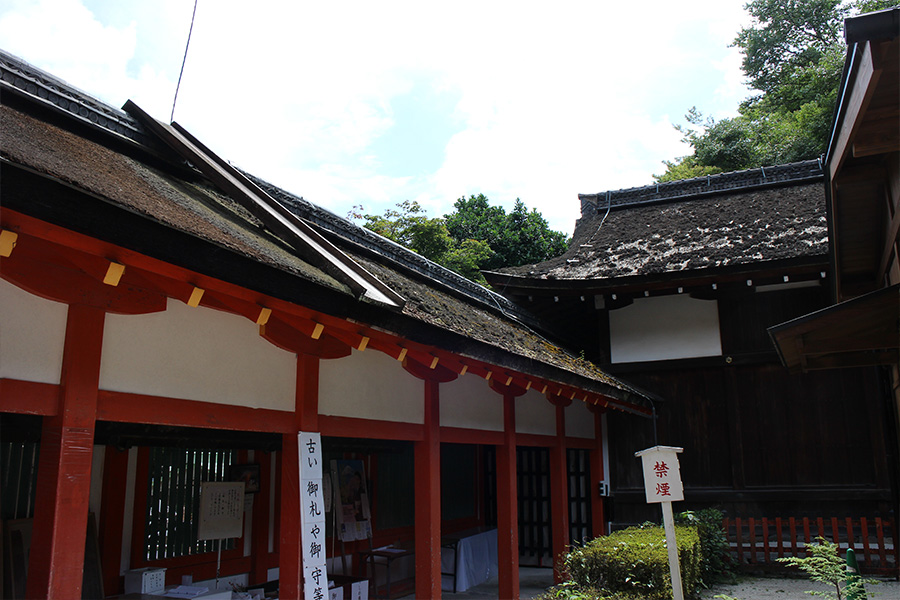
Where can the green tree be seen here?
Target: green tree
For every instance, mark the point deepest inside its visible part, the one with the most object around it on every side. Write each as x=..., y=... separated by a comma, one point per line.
x=473, y=237
x=518, y=238
x=793, y=55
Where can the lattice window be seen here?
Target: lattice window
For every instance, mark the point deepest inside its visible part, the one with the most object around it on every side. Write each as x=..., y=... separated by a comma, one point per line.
x=18, y=479
x=579, y=479
x=533, y=471
x=173, y=499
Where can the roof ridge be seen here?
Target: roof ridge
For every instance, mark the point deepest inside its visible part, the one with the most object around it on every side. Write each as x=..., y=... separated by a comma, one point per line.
x=702, y=186
x=22, y=77
x=399, y=254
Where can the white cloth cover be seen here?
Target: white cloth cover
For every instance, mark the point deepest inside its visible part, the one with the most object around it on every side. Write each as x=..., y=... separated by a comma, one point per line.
x=477, y=561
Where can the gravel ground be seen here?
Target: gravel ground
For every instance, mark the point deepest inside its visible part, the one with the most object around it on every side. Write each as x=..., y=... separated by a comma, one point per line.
x=765, y=588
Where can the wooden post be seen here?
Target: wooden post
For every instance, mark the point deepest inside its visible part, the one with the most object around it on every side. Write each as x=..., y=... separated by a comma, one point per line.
x=56, y=563
x=672, y=548
x=259, y=568
x=428, y=499
x=112, y=518
x=290, y=569
x=507, y=508
x=428, y=480
x=598, y=517
x=559, y=489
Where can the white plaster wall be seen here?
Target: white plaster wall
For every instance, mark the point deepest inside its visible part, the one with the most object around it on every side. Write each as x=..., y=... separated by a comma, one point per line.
x=663, y=328
x=32, y=334
x=579, y=420
x=535, y=414
x=469, y=402
x=196, y=354
x=370, y=385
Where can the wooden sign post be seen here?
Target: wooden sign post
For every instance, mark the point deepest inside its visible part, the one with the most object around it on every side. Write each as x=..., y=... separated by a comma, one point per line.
x=662, y=484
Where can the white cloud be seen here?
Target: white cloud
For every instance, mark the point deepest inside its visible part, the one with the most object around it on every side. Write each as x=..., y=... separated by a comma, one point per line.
x=551, y=101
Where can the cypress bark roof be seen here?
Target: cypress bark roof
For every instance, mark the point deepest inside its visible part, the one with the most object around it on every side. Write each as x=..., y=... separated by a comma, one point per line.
x=58, y=134
x=725, y=220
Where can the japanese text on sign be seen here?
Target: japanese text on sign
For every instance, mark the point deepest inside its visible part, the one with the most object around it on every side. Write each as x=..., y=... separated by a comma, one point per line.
x=662, y=475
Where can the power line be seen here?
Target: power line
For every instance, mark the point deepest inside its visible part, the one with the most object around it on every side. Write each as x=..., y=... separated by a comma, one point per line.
x=183, y=61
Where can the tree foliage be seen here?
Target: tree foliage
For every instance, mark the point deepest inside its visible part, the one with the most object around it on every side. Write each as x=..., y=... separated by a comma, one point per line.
x=473, y=237
x=793, y=56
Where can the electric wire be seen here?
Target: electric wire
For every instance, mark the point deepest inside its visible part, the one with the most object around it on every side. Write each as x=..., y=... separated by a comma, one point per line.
x=183, y=61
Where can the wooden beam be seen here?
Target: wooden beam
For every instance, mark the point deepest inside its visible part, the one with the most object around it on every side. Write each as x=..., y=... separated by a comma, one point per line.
x=852, y=359
x=369, y=428
x=355, y=339
x=423, y=371
x=68, y=286
x=124, y=407
x=460, y=435
x=285, y=334
x=56, y=562
x=29, y=397
x=877, y=136
x=864, y=84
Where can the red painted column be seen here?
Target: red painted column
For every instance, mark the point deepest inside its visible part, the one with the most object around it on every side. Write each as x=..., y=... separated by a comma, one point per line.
x=559, y=490
x=290, y=569
x=428, y=499
x=507, y=505
x=112, y=518
x=64, y=473
x=259, y=568
x=598, y=519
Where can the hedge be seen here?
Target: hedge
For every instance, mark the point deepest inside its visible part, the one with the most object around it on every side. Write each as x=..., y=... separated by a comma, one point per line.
x=635, y=561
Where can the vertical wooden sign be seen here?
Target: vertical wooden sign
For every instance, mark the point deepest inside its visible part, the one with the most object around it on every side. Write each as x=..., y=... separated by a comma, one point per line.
x=312, y=517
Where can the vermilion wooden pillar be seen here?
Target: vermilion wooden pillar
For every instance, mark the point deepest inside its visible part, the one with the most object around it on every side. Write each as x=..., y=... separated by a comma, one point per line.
x=428, y=482
x=559, y=485
x=112, y=518
x=56, y=562
x=507, y=497
x=598, y=518
x=259, y=569
x=428, y=499
x=290, y=571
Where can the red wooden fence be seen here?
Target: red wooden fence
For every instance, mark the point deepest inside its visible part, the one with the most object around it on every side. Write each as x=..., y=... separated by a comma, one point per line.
x=756, y=543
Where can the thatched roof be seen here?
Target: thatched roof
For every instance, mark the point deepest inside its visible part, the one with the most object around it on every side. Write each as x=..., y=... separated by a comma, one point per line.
x=128, y=188
x=742, y=218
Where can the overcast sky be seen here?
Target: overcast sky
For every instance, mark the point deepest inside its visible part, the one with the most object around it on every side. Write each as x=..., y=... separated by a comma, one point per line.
x=372, y=103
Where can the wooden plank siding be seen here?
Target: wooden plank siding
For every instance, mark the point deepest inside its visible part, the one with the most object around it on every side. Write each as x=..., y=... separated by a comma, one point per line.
x=762, y=442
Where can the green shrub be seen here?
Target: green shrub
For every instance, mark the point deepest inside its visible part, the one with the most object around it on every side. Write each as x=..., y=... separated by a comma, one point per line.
x=634, y=561
x=824, y=564
x=716, y=565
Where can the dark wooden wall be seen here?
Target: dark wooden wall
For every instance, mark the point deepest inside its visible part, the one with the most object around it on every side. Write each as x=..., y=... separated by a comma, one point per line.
x=761, y=442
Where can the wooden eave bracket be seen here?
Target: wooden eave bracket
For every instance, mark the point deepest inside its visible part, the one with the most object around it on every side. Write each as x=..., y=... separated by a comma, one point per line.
x=282, y=222
x=860, y=95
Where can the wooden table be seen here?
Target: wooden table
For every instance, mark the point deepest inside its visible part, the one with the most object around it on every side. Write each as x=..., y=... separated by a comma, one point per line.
x=383, y=557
